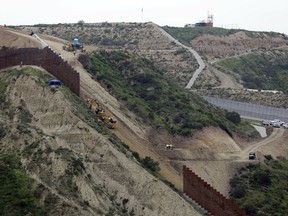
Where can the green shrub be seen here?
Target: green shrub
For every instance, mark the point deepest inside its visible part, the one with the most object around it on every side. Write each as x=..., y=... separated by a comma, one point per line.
x=150, y=164
x=238, y=191
x=234, y=117
x=146, y=91
x=268, y=157
x=261, y=189
x=262, y=178
x=16, y=193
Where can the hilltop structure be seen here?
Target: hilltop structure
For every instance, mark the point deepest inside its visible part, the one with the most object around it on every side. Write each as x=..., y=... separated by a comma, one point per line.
x=203, y=23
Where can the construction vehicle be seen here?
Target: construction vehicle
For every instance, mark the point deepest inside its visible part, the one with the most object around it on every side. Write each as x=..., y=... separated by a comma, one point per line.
x=73, y=46
x=76, y=44
x=93, y=104
x=68, y=47
x=101, y=114
x=252, y=155
x=110, y=122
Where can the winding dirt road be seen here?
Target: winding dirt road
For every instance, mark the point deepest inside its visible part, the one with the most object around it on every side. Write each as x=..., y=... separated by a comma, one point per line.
x=275, y=135
x=191, y=50
x=134, y=135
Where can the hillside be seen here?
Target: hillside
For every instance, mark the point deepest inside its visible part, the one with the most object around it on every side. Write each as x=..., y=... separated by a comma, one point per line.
x=217, y=46
x=75, y=168
x=252, y=186
x=237, y=59
x=211, y=152
x=144, y=39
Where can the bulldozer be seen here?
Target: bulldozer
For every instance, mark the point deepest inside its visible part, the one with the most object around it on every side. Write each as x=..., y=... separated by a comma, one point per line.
x=68, y=47
x=101, y=114
x=110, y=122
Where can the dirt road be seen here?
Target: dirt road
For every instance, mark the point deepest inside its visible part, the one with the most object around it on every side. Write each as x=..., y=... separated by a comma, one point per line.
x=194, y=53
x=128, y=131
x=218, y=171
x=277, y=134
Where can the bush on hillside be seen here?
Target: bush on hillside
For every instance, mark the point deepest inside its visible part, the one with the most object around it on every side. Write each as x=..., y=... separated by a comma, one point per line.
x=150, y=164
x=234, y=117
x=262, y=188
x=16, y=194
x=2, y=131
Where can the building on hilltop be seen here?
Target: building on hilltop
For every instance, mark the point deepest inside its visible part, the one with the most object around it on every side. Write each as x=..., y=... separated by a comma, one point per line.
x=203, y=23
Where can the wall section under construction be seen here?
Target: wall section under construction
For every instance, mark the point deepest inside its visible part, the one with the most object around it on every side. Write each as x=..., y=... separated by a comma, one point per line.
x=206, y=196
x=45, y=58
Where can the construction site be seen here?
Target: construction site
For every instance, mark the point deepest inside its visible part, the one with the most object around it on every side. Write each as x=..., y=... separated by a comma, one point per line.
x=197, y=171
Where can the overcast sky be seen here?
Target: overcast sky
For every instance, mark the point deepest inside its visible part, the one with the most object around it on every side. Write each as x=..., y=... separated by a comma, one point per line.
x=256, y=15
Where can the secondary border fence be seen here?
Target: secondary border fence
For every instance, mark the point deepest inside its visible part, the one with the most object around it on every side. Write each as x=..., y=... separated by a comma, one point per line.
x=207, y=197
x=45, y=58
x=249, y=109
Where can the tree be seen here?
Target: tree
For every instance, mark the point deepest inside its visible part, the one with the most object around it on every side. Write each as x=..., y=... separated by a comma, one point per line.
x=81, y=22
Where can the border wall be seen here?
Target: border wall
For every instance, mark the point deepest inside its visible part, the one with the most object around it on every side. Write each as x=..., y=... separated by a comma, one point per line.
x=45, y=58
x=250, y=110
x=206, y=196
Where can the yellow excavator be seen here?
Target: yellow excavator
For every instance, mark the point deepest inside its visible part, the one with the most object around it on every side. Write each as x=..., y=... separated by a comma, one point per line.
x=101, y=114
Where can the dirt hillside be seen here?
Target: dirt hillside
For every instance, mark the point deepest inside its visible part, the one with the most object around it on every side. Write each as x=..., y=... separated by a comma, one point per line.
x=212, y=153
x=11, y=38
x=79, y=168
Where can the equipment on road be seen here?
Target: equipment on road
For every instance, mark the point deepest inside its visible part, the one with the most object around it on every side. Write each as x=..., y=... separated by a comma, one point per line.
x=101, y=114
x=73, y=46
x=169, y=146
x=68, y=47
x=110, y=122
x=93, y=104
x=76, y=44
x=252, y=156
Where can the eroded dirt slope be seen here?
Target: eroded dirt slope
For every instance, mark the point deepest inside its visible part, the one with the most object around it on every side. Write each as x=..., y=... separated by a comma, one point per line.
x=208, y=153
x=79, y=168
